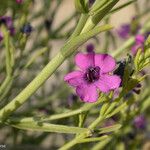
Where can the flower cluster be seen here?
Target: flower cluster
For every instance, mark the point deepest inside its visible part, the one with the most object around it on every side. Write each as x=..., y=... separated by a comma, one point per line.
x=126, y=30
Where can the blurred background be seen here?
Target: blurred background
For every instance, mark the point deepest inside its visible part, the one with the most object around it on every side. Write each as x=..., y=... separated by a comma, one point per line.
x=41, y=29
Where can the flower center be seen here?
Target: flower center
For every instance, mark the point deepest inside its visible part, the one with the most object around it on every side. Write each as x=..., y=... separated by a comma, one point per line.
x=92, y=74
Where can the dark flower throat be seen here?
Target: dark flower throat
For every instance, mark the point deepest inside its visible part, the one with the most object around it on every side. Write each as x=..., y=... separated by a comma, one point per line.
x=92, y=74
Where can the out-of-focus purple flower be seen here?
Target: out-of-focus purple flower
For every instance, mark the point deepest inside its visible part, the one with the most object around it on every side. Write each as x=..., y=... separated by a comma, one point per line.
x=7, y=21
x=1, y=36
x=19, y=1
x=27, y=29
x=12, y=31
x=139, y=43
x=131, y=28
x=124, y=31
x=91, y=2
x=90, y=48
x=94, y=74
x=140, y=122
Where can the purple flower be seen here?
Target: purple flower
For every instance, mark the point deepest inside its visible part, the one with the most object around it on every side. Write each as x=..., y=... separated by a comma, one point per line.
x=19, y=1
x=91, y=2
x=139, y=43
x=124, y=31
x=140, y=122
x=94, y=74
x=90, y=48
x=1, y=36
x=7, y=21
x=131, y=28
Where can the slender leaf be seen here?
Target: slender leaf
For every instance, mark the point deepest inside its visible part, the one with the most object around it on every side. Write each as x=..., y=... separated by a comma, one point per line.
x=47, y=127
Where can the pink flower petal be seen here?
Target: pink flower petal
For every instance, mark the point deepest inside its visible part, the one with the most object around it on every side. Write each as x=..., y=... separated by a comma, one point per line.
x=139, y=39
x=84, y=61
x=87, y=93
x=105, y=62
x=108, y=82
x=136, y=47
x=74, y=78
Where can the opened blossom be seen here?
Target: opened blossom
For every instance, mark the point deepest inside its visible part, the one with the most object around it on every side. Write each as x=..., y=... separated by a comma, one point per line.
x=94, y=74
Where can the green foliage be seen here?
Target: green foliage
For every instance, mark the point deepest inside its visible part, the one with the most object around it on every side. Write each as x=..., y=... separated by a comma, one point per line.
x=142, y=59
x=81, y=6
x=22, y=63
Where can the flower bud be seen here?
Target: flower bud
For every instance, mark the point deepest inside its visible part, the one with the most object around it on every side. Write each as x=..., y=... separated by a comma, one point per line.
x=90, y=48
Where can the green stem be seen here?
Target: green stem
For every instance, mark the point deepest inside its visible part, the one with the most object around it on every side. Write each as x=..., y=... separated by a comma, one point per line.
x=49, y=69
x=7, y=89
x=96, y=17
x=73, y=142
x=82, y=136
x=47, y=127
x=100, y=145
x=87, y=140
x=122, y=6
x=96, y=122
x=4, y=84
x=84, y=108
x=80, y=25
x=8, y=61
x=125, y=46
